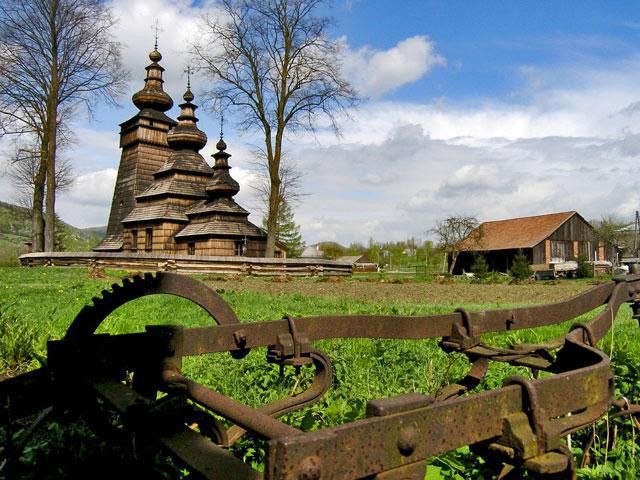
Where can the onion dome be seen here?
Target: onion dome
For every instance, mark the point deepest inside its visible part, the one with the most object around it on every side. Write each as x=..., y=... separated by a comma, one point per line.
x=186, y=134
x=152, y=95
x=222, y=184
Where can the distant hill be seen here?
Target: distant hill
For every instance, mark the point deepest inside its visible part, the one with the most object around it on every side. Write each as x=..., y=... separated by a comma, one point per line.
x=99, y=231
x=15, y=231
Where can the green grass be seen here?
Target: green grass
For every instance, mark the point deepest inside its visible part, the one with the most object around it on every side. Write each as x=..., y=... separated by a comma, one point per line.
x=39, y=304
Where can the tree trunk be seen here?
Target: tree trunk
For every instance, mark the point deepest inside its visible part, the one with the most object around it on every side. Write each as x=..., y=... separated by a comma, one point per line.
x=51, y=129
x=274, y=194
x=454, y=257
x=37, y=219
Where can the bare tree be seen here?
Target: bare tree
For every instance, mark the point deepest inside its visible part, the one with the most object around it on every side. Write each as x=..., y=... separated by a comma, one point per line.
x=616, y=232
x=23, y=167
x=290, y=188
x=56, y=55
x=456, y=232
x=272, y=61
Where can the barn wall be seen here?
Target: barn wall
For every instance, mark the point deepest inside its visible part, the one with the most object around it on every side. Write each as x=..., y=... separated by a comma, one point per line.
x=574, y=229
x=577, y=237
x=497, y=260
x=540, y=252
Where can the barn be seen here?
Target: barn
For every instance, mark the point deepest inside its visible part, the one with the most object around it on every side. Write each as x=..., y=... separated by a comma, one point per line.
x=554, y=237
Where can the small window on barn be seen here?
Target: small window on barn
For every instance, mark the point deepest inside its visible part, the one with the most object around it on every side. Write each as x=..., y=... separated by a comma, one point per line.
x=191, y=248
x=134, y=240
x=239, y=248
x=148, y=240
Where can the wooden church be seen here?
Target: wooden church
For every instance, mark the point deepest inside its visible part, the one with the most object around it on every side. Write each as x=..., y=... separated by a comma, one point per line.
x=167, y=199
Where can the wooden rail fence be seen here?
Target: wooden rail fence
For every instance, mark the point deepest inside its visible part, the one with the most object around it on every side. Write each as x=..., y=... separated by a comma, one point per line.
x=149, y=262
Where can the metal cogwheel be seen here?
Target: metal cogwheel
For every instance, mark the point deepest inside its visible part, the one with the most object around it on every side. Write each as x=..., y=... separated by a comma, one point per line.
x=92, y=315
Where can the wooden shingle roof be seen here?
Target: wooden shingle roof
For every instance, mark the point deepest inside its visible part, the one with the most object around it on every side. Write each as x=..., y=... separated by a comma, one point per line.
x=221, y=227
x=513, y=233
x=186, y=161
x=110, y=243
x=143, y=213
x=217, y=205
x=175, y=187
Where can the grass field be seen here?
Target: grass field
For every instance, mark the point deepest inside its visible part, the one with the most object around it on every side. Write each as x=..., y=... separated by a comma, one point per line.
x=39, y=304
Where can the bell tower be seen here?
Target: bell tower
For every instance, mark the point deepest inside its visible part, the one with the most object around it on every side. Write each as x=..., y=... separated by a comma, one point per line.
x=143, y=140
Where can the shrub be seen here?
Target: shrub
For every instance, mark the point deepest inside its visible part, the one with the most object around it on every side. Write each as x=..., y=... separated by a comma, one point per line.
x=585, y=269
x=480, y=268
x=520, y=269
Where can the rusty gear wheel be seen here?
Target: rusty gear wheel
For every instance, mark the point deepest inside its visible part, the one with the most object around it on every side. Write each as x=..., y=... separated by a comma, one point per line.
x=91, y=316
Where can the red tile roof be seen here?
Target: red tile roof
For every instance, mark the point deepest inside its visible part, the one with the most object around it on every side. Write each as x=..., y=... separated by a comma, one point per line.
x=524, y=232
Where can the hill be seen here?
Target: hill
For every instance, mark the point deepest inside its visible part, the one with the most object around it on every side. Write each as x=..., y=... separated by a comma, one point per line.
x=15, y=231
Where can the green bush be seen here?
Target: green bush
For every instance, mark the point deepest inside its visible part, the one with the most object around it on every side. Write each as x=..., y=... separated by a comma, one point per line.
x=520, y=269
x=480, y=268
x=585, y=268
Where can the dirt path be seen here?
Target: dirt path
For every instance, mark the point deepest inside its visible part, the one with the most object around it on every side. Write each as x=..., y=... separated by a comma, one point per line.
x=406, y=292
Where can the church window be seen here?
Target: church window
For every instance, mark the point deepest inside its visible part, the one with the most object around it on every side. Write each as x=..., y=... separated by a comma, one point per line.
x=134, y=240
x=148, y=239
x=239, y=247
x=191, y=248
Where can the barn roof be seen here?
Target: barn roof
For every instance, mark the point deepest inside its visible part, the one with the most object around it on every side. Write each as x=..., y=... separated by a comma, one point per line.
x=523, y=232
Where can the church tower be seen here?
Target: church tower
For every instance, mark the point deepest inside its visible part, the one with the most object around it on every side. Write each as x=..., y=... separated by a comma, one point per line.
x=160, y=210
x=143, y=140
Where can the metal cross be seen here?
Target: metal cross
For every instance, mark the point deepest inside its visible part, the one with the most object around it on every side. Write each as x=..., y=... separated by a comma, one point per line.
x=157, y=29
x=188, y=72
x=221, y=125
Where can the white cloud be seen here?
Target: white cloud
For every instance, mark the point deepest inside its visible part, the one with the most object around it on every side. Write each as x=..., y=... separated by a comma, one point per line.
x=375, y=72
x=88, y=200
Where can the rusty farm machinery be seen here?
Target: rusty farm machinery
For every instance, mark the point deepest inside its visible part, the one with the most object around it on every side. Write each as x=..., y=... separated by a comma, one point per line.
x=130, y=387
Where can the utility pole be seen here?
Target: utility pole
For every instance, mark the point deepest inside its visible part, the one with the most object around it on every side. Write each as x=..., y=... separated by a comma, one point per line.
x=637, y=232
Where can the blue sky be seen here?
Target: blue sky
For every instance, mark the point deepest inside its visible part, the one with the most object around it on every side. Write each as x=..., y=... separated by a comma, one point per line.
x=491, y=108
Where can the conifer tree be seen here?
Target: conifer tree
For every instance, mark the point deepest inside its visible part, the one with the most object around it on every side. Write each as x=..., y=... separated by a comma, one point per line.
x=520, y=269
x=480, y=268
x=288, y=231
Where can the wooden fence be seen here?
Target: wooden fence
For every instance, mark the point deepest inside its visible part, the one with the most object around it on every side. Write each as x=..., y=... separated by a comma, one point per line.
x=190, y=264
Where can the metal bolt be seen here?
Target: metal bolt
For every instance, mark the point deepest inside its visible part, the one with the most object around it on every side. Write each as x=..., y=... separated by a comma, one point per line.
x=408, y=439
x=309, y=468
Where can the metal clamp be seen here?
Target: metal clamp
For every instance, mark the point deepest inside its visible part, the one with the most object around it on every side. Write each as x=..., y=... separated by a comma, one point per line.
x=292, y=348
x=524, y=441
x=587, y=330
x=463, y=337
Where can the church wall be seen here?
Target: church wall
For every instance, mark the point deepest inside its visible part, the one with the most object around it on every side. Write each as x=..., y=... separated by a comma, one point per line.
x=162, y=237
x=199, y=179
x=145, y=130
x=137, y=164
x=224, y=247
x=211, y=246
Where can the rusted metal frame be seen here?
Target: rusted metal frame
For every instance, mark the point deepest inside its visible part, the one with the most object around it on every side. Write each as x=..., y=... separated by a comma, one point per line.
x=624, y=291
x=585, y=413
x=242, y=415
x=27, y=393
x=474, y=419
x=574, y=341
x=90, y=317
x=190, y=448
x=202, y=340
x=319, y=386
x=472, y=379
